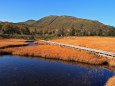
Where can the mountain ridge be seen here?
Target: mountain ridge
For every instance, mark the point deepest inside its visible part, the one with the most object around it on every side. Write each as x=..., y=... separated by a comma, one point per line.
x=58, y=23
x=60, y=26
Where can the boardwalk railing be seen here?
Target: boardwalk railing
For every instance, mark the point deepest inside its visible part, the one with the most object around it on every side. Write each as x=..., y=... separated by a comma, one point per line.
x=100, y=52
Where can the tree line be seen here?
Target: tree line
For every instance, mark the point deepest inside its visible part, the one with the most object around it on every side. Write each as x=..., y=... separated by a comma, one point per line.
x=73, y=30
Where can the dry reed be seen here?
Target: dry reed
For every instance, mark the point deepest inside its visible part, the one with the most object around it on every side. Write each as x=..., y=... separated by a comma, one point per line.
x=57, y=52
x=12, y=42
x=111, y=82
x=100, y=43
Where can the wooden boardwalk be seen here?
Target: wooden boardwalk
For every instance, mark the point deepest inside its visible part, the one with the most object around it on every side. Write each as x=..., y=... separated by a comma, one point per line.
x=99, y=52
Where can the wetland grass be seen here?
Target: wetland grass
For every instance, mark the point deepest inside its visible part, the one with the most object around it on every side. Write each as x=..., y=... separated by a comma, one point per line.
x=4, y=43
x=57, y=52
x=111, y=81
x=100, y=43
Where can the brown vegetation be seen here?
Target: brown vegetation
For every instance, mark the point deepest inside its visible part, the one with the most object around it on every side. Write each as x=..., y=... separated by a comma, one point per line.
x=53, y=51
x=100, y=43
x=57, y=52
x=11, y=28
x=111, y=82
x=12, y=42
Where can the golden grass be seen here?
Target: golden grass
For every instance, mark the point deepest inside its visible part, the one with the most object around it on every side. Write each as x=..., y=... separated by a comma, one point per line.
x=12, y=42
x=57, y=52
x=54, y=51
x=112, y=62
x=111, y=82
x=100, y=43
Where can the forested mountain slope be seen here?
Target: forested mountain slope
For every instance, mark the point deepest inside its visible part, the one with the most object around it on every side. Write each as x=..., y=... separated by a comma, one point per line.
x=58, y=25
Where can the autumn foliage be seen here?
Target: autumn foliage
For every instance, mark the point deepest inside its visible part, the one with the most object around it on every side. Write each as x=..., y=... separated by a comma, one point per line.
x=58, y=26
x=70, y=26
x=10, y=28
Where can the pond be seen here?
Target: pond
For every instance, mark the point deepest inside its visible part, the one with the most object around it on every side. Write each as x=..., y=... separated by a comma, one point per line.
x=32, y=44
x=28, y=71
x=22, y=71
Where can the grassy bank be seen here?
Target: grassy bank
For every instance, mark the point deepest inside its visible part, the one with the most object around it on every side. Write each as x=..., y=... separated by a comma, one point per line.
x=28, y=37
x=5, y=43
x=57, y=52
x=53, y=52
x=111, y=81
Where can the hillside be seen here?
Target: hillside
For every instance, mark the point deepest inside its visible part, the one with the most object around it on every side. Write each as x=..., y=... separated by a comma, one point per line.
x=68, y=25
x=58, y=26
x=29, y=22
x=13, y=28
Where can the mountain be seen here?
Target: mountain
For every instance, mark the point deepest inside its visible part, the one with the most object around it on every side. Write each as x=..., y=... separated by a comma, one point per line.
x=59, y=26
x=29, y=22
x=68, y=24
x=60, y=20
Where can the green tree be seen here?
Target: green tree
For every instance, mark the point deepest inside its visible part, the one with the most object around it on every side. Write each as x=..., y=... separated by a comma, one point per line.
x=61, y=32
x=82, y=30
x=100, y=32
x=25, y=30
x=6, y=29
x=72, y=32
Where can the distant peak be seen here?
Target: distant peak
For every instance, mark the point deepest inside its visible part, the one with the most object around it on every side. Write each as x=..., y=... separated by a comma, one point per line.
x=30, y=20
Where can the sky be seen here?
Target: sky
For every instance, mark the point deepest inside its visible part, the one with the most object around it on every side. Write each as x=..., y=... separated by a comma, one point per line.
x=22, y=10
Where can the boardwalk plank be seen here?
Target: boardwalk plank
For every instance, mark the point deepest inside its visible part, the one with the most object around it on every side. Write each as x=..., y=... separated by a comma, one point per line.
x=82, y=48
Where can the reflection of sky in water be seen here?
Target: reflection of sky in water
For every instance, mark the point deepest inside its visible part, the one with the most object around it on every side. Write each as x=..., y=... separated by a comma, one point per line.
x=32, y=44
x=16, y=71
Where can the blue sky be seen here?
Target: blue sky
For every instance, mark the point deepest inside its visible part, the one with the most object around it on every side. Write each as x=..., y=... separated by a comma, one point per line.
x=22, y=10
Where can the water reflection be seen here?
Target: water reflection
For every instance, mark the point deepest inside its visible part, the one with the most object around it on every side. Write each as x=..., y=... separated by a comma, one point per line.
x=75, y=63
x=32, y=44
x=111, y=81
x=19, y=71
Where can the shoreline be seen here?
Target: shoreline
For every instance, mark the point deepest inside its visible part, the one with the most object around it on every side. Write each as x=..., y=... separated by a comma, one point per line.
x=56, y=52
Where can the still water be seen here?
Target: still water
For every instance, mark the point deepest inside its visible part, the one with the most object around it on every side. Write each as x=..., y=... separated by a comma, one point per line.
x=31, y=44
x=25, y=71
